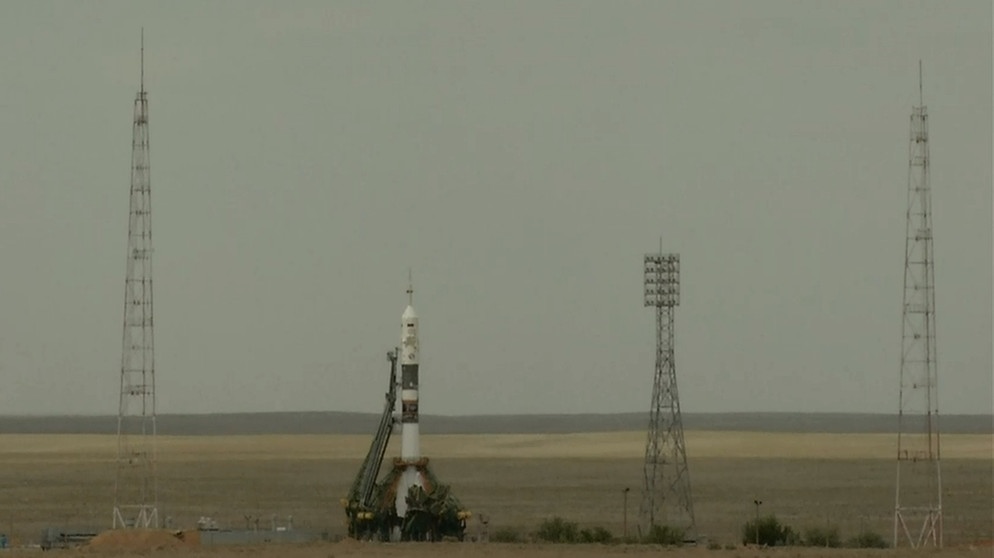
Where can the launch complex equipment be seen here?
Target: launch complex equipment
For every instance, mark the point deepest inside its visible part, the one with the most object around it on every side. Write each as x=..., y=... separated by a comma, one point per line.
x=408, y=504
x=666, y=498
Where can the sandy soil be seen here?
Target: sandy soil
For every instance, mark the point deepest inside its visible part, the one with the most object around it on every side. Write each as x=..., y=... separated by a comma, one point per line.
x=517, y=481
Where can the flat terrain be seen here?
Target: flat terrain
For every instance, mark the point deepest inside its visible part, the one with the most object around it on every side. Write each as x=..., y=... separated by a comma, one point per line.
x=335, y=422
x=516, y=480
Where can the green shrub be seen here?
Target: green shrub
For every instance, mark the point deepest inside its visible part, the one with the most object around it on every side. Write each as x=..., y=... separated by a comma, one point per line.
x=664, y=534
x=558, y=530
x=596, y=535
x=867, y=539
x=769, y=532
x=823, y=536
x=506, y=535
x=714, y=546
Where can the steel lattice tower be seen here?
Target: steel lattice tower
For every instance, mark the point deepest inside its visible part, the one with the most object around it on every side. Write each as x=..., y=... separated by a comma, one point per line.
x=135, y=494
x=666, y=498
x=918, y=496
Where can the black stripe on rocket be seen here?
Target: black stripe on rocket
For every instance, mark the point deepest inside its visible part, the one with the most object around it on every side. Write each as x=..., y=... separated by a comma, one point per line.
x=409, y=381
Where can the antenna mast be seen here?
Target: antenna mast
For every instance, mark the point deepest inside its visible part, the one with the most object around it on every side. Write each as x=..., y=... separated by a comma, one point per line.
x=918, y=496
x=410, y=288
x=921, y=97
x=135, y=491
x=666, y=497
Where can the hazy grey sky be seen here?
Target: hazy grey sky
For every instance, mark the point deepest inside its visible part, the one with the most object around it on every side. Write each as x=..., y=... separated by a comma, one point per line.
x=521, y=157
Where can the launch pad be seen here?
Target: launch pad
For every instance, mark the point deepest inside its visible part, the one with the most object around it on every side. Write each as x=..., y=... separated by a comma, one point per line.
x=431, y=512
x=409, y=503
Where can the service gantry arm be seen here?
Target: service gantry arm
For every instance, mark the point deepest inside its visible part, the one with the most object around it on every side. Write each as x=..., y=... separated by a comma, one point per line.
x=362, y=489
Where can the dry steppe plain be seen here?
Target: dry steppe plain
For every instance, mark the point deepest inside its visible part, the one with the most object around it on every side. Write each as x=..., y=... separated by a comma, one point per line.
x=517, y=480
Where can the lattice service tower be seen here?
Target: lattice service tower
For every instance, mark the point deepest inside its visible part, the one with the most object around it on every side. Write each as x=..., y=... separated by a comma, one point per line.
x=135, y=497
x=666, y=498
x=918, y=497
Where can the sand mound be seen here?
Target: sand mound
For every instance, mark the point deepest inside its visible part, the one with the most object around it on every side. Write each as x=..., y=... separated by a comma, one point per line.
x=144, y=539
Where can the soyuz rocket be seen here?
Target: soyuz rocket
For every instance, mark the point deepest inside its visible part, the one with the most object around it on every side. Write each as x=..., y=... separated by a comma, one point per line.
x=410, y=449
x=410, y=444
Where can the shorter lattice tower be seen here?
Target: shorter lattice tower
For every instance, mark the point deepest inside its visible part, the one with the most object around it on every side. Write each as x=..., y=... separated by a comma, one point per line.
x=135, y=491
x=918, y=496
x=666, y=497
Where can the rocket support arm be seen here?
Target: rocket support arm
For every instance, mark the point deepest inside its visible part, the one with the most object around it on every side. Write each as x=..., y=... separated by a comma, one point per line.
x=365, y=482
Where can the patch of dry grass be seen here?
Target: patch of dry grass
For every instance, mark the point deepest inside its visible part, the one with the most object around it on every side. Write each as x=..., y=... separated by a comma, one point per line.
x=700, y=444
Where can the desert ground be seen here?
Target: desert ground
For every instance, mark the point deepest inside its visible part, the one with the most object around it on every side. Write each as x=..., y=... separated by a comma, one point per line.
x=515, y=480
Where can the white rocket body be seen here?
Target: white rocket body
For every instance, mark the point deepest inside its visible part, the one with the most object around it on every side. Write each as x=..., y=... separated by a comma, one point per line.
x=410, y=443
x=410, y=447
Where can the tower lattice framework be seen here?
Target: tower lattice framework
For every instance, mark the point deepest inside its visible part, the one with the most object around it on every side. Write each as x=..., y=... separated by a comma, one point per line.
x=918, y=497
x=666, y=496
x=135, y=491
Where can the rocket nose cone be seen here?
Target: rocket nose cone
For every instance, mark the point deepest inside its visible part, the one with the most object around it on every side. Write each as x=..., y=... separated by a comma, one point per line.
x=409, y=313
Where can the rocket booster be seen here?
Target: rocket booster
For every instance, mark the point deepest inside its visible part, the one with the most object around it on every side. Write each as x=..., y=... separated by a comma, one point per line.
x=410, y=447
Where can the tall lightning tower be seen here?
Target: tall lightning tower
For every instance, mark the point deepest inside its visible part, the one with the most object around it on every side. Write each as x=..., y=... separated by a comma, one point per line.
x=135, y=495
x=666, y=498
x=918, y=496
